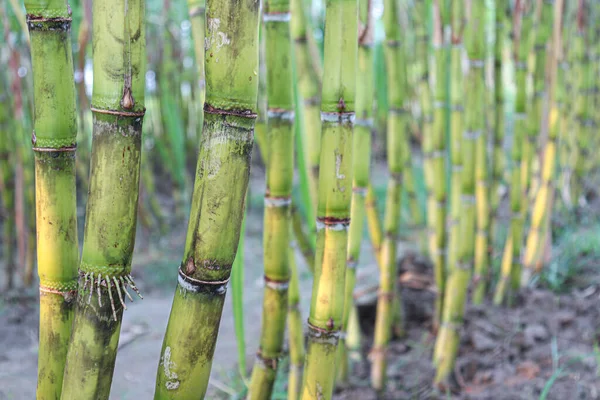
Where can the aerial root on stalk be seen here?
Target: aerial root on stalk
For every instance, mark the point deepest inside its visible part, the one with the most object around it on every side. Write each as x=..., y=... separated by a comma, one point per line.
x=119, y=283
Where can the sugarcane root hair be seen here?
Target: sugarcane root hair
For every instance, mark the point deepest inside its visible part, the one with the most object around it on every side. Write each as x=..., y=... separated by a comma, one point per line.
x=107, y=282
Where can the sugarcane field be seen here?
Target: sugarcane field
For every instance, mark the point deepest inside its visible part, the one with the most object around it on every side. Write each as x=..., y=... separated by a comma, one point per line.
x=299, y=199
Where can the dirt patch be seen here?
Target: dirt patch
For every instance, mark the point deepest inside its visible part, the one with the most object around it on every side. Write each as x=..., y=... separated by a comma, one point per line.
x=546, y=345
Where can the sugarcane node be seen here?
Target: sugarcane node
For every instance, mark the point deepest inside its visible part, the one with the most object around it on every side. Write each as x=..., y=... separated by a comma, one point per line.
x=277, y=16
x=63, y=149
x=351, y=264
x=312, y=101
x=127, y=114
x=333, y=221
x=242, y=113
x=382, y=294
x=393, y=43
x=67, y=294
x=41, y=23
x=464, y=265
x=326, y=335
x=276, y=284
x=362, y=191
x=280, y=113
x=301, y=39
x=199, y=286
x=197, y=11
x=270, y=363
x=398, y=110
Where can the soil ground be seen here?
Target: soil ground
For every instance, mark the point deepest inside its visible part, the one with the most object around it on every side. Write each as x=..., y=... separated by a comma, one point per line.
x=547, y=345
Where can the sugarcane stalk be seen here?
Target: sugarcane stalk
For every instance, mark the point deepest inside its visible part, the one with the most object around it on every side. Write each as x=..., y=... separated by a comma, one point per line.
x=537, y=70
x=437, y=204
x=218, y=199
x=302, y=240
x=545, y=193
x=111, y=216
x=197, y=14
x=397, y=158
x=295, y=331
x=260, y=127
x=422, y=18
x=361, y=151
x=277, y=217
x=309, y=85
x=511, y=266
x=334, y=188
x=455, y=239
x=373, y=223
x=459, y=277
x=54, y=144
x=502, y=27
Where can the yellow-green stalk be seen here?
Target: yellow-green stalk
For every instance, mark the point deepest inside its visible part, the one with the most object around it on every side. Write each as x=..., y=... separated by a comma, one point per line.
x=309, y=84
x=197, y=14
x=456, y=132
x=437, y=154
x=54, y=141
x=459, y=277
x=455, y=239
x=335, y=191
x=483, y=206
x=581, y=83
x=295, y=331
x=545, y=193
x=222, y=173
x=373, y=223
x=511, y=260
x=537, y=70
x=422, y=17
x=278, y=200
x=361, y=151
x=502, y=27
x=111, y=215
x=397, y=158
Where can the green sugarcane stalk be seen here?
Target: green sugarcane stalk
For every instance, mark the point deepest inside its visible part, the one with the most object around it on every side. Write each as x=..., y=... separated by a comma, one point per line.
x=277, y=217
x=197, y=14
x=455, y=239
x=458, y=280
x=111, y=217
x=537, y=70
x=260, y=127
x=302, y=240
x=361, y=151
x=512, y=249
x=456, y=133
x=334, y=188
x=237, y=300
x=423, y=19
x=483, y=195
x=218, y=200
x=54, y=141
x=502, y=27
x=295, y=331
x=373, y=223
x=309, y=84
x=398, y=158
x=545, y=194
x=437, y=154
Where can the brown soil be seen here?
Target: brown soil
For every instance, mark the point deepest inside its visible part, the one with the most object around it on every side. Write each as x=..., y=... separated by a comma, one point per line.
x=547, y=341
